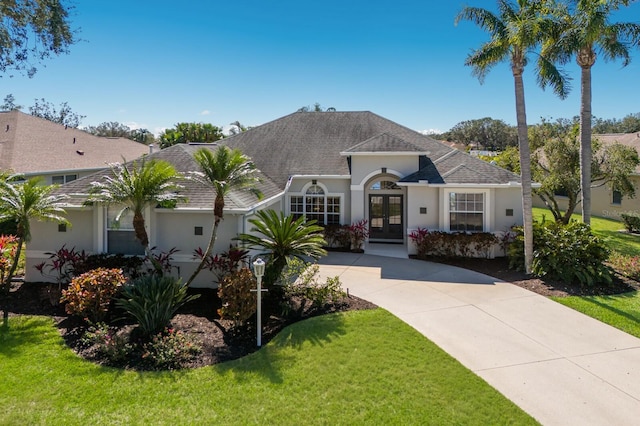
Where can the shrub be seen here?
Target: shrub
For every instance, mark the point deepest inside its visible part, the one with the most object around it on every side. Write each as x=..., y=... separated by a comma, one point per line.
x=458, y=244
x=8, y=248
x=300, y=281
x=110, y=345
x=567, y=253
x=338, y=236
x=631, y=222
x=89, y=295
x=153, y=301
x=359, y=232
x=168, y=350
x=64, y=264
x=224, y=263
x=629, y=266
x=238, y=301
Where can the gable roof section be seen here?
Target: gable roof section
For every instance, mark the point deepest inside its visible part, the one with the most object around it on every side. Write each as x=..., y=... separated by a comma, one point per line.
x=310, y=143
x=384, y=143
x=461, y=168
x=631, y=140
x=199, y=196
x=33, y=145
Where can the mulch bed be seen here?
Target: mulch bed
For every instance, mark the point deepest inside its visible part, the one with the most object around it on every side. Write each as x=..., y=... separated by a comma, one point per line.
x=200, y=320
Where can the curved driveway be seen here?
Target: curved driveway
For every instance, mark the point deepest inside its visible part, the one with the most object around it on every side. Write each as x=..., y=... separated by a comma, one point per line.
x=560, y=366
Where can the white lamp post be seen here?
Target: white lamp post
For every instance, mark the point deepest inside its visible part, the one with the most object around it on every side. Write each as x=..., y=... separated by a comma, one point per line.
x=258, y=271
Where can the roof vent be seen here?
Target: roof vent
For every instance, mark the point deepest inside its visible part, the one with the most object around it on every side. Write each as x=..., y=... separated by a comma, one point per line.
x=80, y=152
x=7, y=128
x=74, y=140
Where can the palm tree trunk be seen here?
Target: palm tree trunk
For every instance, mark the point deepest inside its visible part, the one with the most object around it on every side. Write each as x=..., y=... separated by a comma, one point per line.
x=7, y=283
x=585, y=143
x=525, y=168
x=218, y=210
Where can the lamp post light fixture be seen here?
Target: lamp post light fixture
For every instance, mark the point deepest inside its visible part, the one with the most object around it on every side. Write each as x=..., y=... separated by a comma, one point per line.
x=258, y=271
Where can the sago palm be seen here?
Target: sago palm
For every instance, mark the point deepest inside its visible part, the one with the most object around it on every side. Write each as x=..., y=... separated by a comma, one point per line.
x=584, y=31
x=515, y=31
x=136, y=186
x=282, y=237
x=226, y=170
x=21, y=202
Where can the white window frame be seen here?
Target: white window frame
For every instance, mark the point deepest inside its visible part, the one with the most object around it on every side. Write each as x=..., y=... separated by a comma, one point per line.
x=65, y=178
x=303, y=194
x=108, y=228
x=485, y=207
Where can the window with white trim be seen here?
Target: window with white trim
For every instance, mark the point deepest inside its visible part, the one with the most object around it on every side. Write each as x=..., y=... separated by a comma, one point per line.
x=121, y=237
x=315, y=204
x=466, y=212
x=62, y=179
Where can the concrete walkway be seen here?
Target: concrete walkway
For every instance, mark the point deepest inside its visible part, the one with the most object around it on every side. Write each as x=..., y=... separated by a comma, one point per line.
x=560, y=366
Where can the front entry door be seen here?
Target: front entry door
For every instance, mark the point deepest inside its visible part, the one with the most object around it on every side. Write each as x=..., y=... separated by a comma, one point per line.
x=385, y=217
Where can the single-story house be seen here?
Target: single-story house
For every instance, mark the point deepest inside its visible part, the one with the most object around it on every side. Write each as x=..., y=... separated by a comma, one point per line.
x=335, y=167
x=605, y=201
x=34, y=146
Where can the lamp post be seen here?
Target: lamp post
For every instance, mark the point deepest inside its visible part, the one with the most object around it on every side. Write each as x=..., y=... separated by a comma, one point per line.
x=258, y=271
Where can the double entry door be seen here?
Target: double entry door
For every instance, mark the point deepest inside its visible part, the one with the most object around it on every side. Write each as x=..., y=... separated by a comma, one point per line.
x=385, y=217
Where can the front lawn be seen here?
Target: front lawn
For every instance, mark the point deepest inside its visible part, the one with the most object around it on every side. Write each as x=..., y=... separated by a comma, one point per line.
x=621, y=310
x=360, y=367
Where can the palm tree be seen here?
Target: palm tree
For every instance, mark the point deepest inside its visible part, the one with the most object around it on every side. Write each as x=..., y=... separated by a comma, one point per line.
x=283, y=237
x=515, y=31
x=585, y=31
x=20, y=202
x=226, y=170
x=136, y=186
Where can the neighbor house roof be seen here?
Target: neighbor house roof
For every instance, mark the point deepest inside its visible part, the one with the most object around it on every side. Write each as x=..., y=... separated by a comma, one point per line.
x=628, y=139
x=198, y=196
x=32, y=145
x=317, y=143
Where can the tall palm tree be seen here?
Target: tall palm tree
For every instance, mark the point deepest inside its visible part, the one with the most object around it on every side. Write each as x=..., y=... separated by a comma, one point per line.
x=135, y=187
x=585, y=32
x=226, y=170
x=20, y=202
x=283, y=237
x=515, y=32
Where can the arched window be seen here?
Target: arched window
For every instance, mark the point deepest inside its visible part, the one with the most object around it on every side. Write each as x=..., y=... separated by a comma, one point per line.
x=315, y=204
x=383, y=184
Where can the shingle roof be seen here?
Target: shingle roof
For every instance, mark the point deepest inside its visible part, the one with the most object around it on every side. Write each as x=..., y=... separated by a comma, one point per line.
x=310, y=143
x=198, y=196
x=384, y=142
x=461, y=168
x=33, y=145
x=628, y=139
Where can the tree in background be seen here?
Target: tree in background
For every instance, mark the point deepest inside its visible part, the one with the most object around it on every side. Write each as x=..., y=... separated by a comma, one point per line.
x=485, y=133
x=316, y=108
x=190, y=132
x=64, y=115
x=584, y=31
x=237, y=127
x=32, y=31
x=114, y=129
x=10, y=104
x=514, y=33
x=629, y=124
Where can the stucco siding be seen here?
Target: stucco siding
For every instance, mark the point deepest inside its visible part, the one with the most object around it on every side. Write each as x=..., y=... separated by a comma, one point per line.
x=363, y=167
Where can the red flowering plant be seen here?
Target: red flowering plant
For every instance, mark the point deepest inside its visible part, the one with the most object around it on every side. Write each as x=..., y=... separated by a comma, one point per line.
x=8, y=248
x=359, y=232
x=224, y=263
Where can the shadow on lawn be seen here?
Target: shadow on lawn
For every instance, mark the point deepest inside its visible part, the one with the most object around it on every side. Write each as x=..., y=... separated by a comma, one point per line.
x=269, y=360
x=22, y=334
x=630, y=317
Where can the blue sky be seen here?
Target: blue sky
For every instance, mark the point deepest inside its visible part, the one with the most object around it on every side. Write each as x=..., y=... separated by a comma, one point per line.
x=152, y=64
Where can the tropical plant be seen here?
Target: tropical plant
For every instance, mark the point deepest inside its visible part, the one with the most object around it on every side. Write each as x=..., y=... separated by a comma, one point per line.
x=226, y=170
x=283, y=237
x=224, y=263
x=515, y=31
x=22, y=201
x=584, y=30
x=238, y=302
x=359, y=231
x=153, y=301
x=136, y=186
x=89, y=295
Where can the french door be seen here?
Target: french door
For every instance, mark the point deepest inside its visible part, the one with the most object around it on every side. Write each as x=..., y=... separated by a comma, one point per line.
x=385, y=217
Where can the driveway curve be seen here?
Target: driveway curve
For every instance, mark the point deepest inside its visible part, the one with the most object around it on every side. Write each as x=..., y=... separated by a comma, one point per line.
x=560, y=366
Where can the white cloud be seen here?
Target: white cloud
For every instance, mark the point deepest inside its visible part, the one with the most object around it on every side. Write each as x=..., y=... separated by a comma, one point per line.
x=134, y=125
x=205, y=112
x=430, y=131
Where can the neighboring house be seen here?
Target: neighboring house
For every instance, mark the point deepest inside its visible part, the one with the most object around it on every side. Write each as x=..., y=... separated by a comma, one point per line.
x=605, y=201
x=335, y=167
x=34, y=146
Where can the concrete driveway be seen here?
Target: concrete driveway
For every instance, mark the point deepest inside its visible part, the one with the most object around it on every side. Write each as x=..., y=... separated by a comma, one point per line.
x=560, y=366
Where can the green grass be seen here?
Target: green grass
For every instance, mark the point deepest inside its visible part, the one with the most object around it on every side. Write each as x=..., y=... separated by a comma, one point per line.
x=364, y=367
x=621, y=311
